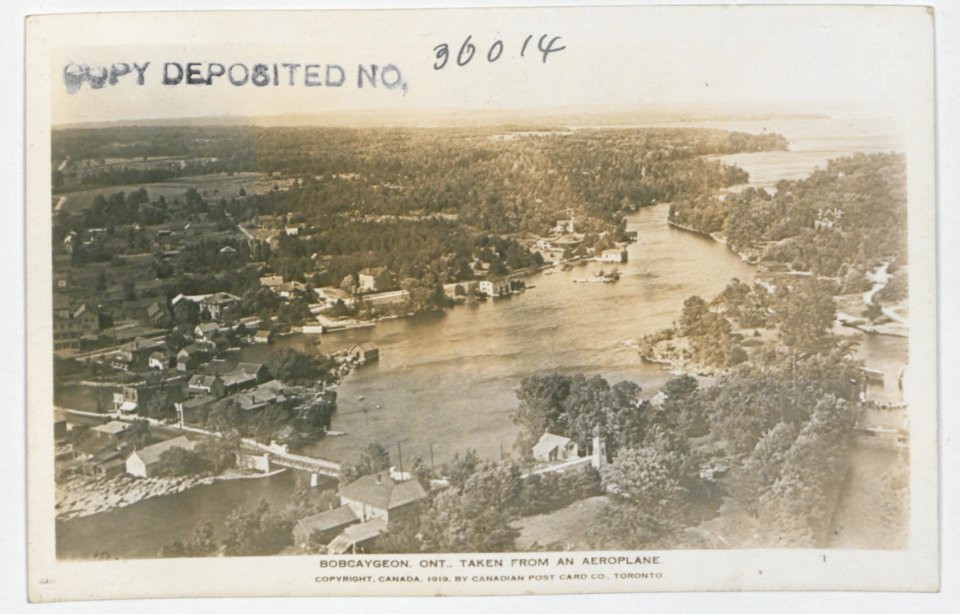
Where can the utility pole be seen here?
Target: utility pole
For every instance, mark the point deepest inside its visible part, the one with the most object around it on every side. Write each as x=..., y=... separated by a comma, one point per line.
x=432, y=468
x=400, y=459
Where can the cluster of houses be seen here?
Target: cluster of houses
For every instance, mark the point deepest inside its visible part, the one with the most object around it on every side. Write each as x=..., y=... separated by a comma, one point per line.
x=367, y=506
x=112, y=274
x=105, y=449
x=556, y=248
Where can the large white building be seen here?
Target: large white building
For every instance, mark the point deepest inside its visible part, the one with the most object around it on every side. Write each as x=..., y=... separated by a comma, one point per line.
x=494, y=287
x=143, y=462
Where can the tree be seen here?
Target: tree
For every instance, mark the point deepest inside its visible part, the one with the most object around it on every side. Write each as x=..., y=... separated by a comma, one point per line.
x=576, y=406
x=177, y=462
x=202, y=542
x=761, y=469
x=226, y=417
x=256, y=532
x=648, y=478
x=649, y=502
x=219, y=453
x=293, y=366
x=806, y=314
x=477, y=516
x=186, y=314
x=373, y=458
x=300, y=505
x=694, y=309
x=137, y=435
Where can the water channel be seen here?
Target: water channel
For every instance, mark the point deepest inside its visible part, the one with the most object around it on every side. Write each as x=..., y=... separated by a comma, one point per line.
x=446, y=382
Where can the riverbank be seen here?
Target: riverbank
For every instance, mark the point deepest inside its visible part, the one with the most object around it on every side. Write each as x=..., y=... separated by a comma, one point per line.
x=82, y=495
x=671, y=352
x=750, y=257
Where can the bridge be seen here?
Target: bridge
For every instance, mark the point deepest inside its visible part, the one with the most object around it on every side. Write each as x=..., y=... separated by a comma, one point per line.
x=281, y=457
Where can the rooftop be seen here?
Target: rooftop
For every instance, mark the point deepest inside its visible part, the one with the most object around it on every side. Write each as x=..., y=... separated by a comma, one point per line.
x=549, y=441
x=114, y=427
x=381, y=491
x=329, y=519
x=151, y=454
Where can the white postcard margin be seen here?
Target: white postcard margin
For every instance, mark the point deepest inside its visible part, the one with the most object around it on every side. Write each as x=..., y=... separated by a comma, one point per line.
x=912, y=569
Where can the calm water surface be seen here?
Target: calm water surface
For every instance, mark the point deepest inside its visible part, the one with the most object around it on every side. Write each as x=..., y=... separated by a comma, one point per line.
x=446, y=382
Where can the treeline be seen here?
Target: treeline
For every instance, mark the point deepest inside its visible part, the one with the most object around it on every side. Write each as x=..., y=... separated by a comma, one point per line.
x=717, y=334
x=235, y=145
x=495, y=185
x=777, y=438
x=409, y=249
x=840, y=219
x=500, y=186
x=478, y=510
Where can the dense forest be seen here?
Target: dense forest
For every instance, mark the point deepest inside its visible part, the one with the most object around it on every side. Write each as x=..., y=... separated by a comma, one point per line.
x=431, y=205
x=840, y=219
x=493, y=184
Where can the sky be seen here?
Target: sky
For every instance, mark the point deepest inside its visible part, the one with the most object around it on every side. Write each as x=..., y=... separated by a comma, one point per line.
x=796, y=59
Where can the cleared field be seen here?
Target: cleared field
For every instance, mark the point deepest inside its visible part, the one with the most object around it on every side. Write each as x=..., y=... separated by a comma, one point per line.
x=218, y=185
x=563, y=528
x=870, y=514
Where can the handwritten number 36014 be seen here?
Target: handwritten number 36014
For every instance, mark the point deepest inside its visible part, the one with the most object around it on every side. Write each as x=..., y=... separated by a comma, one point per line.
x=546, y=45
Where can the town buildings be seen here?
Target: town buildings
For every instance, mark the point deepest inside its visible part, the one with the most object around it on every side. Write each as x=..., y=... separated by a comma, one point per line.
x=552, y=447
x=367, y=507
x=143, y=462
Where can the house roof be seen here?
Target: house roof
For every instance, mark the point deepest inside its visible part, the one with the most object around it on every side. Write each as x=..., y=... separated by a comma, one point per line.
x=330, y=519
x=221, y=298
x=114, y=427
x=110, y=464
x=198, y=402
x=266, y=393
x=238, y=377
x=151, y=454
x=357, y=534
x=365, y=530
x=271, y=280
x=379, y=490
x=263, y=333
x=190, y=350
x=249, y=367
x=156, y=308
x=549, y=441
x=202, y=380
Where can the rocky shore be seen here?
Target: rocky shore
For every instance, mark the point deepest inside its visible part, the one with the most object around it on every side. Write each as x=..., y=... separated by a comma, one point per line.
x=672, y=352
x=83, y=495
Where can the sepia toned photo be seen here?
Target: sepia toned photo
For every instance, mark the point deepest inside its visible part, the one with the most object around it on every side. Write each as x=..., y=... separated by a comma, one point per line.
x=367, y=303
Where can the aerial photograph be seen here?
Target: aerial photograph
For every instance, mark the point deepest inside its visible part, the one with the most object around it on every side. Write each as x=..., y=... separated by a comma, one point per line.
x=595, y=330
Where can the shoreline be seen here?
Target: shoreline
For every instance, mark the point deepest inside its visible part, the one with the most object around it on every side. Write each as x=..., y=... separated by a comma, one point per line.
x=81, y=496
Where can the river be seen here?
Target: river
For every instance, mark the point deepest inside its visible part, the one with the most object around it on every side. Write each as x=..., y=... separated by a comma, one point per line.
x=446, y=382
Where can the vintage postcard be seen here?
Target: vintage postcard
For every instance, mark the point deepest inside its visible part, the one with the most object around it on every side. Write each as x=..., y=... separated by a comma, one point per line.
x=486, y=301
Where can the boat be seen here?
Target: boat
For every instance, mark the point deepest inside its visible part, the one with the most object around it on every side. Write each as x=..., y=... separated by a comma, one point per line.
x=600, y=277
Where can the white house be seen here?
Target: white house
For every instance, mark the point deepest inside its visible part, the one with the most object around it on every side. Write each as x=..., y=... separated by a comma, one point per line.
x=494, y=287
x=565, y=226
x=143, y=462
x=613, y=255
x=552, y=447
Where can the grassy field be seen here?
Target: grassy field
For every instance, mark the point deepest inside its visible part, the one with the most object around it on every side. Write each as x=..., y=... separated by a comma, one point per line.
x=563, y=528
x=214, y=186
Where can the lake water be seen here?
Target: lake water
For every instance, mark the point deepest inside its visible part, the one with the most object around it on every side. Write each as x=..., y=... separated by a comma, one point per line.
x=446, y=382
